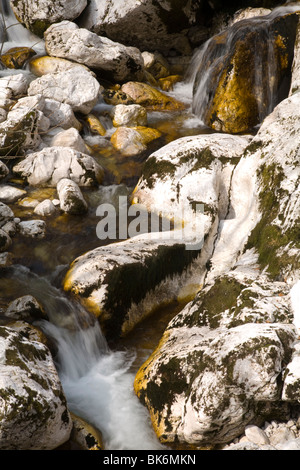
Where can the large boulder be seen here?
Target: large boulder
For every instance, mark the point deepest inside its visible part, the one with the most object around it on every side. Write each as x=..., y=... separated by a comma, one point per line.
x=75, y=86
x=33, y=410
x=150, y=25
x=233, y=91
x=114, y=60
x=38, y=16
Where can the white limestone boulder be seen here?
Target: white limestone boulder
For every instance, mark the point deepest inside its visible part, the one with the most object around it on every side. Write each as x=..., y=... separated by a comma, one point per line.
x=34, y=414
x=51, y=164
x=37, y=16
x=66, y=40
x=76, y=87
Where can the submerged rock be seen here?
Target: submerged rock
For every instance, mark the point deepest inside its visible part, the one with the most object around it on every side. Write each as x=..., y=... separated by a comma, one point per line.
x=16, y=57
x=151, y=98
x=34, y=415
x=32, y=228
x=133, y=140
x=114, y=60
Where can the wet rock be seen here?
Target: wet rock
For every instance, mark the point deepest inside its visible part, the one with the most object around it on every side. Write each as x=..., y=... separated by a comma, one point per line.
x=45, y=208
x=129, y=115
x=37, y=17
x=116, y=61
x=25, y=308
x=16, y=57
x=4, y=171
x=295, y=80
x=33, y=405
x=124, y=282
x=47, y=64
x=292, y=377
x=10, y=194
x=70, y=197
x=32, y=228
x=133, y=140
x=151, y=98
x=189, y=171
x=85, y=435
x=212, y=364
x=51, y=164
x=5, y=259
x=17, y=84
x=150, y=25
x=156, y=64
x=75, y=86
x=6, y=214
x=95, y=125
x=232, y=91
x=5, y=240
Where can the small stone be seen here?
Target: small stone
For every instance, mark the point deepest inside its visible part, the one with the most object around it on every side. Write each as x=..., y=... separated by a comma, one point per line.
x=129, y=115
x=281, y=435
x=33, y=228
x=256, y=435
x=5, y=240
x=71, y=198
x=25, y=308
x=10, y=194
x=3, y=170
x=45, y=208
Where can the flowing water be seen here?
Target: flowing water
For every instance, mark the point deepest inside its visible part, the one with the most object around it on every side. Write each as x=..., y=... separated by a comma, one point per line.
x=97, y=380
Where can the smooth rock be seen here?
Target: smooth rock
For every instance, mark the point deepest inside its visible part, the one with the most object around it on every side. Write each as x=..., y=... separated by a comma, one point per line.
x=45, y=208
x=151, y=98
x=16, y=57
x=47, y=64
x=69, y=138
x=70, y=197
x=86, y=436
x=10, y=194
x=6, y=214
x=133, y=140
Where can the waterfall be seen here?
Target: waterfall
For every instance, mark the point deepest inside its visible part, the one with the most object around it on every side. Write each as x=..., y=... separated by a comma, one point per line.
x=16, y=34
x=97, y=382
x=207, y=64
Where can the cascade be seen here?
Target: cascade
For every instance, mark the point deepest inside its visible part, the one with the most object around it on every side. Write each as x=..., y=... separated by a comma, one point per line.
x=97, y=381
x=213, y=63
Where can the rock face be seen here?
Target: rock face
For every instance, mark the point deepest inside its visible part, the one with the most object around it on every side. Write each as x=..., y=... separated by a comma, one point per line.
x=47, y=167
x=33, y=408
x=233, y=92
x=38, y=16
x=150, y=25
x=120, y=63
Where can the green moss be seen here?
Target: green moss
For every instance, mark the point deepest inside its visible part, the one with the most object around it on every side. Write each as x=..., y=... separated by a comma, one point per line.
x=268, y=237
x=220, y=297
x=160, y=169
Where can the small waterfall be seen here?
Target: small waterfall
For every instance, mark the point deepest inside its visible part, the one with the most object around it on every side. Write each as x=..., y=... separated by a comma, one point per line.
x=207, y=64
x=97, y=382
x=16, y=35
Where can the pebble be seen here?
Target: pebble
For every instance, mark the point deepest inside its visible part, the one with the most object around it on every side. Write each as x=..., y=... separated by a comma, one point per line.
x=256, y=435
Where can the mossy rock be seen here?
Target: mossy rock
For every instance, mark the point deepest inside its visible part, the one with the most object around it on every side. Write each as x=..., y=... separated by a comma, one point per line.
x=151, y=98
x=240, y=92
